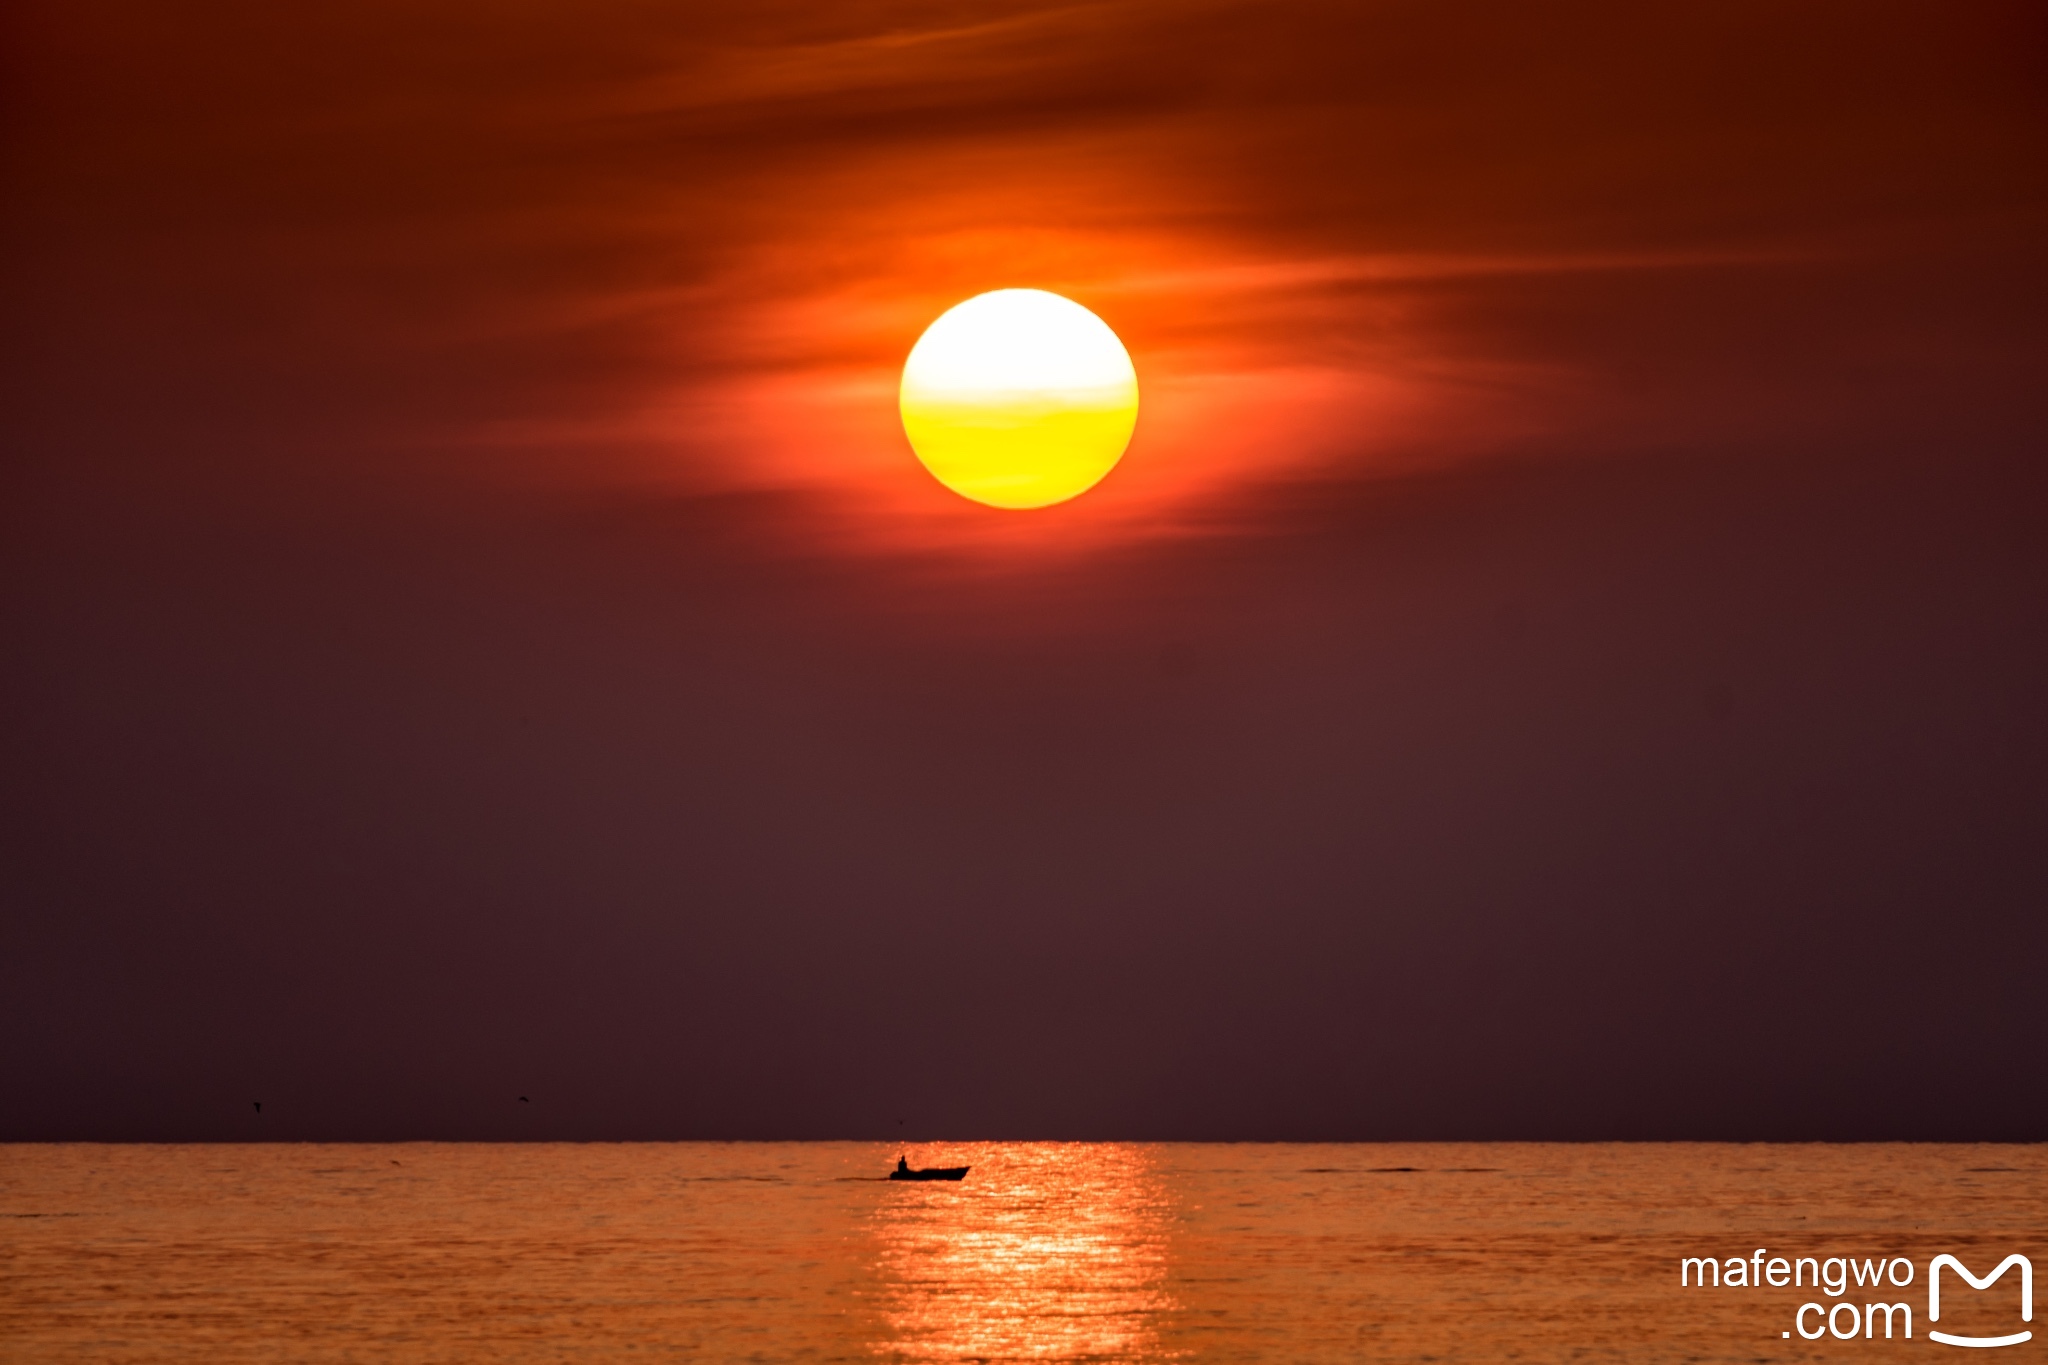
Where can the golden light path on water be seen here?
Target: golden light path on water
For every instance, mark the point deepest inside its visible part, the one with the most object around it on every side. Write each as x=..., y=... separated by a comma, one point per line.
x=518, y=1254
x=1062, y=1255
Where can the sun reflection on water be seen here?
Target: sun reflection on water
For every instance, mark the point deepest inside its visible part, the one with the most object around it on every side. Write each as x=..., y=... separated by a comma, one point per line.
x=1045, y=1252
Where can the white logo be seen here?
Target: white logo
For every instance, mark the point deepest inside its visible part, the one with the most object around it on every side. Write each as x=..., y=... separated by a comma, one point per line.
x=2026, y=1297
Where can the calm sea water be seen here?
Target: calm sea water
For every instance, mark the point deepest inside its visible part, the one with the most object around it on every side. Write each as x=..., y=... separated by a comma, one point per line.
x=1047, y=1252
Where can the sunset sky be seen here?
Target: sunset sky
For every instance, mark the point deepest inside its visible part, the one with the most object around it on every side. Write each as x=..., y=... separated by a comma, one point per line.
x=1564, y=655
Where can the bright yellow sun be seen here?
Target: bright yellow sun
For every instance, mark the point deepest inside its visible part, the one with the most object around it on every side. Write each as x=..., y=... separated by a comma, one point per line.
x=1019, y=398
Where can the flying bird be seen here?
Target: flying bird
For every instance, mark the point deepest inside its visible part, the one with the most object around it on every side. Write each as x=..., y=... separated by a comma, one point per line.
x=524, y=1100
x=258, y=1104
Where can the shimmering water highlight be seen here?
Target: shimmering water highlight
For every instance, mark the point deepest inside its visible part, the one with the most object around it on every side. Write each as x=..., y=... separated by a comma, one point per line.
x=1047, y=1252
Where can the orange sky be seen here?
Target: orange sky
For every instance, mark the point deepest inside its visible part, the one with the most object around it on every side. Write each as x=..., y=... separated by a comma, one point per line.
x=1570, y=619
x=687, y=249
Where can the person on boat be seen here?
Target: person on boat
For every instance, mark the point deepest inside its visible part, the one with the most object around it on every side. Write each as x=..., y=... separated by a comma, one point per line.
x=903, y=1163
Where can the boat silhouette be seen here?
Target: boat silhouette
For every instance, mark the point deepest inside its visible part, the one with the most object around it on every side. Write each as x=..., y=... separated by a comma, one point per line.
x=905, y=1171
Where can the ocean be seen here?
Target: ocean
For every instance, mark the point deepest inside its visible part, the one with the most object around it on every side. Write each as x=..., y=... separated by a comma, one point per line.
x=433, y=1252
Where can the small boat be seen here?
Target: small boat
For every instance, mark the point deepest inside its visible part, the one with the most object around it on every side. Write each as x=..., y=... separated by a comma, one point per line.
x=904, y=1171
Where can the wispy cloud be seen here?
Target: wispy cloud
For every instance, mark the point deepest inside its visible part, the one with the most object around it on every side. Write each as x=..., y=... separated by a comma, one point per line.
x=687, y=247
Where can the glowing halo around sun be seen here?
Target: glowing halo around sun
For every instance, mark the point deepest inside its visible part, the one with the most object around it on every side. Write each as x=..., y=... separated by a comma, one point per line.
x=1019, y=398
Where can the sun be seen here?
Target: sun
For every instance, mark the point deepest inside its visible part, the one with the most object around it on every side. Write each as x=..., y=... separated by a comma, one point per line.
x=1019, y=398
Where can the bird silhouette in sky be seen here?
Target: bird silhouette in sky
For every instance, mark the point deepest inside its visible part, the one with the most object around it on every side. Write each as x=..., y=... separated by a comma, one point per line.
x=258, y=1104
x=524, y=1100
